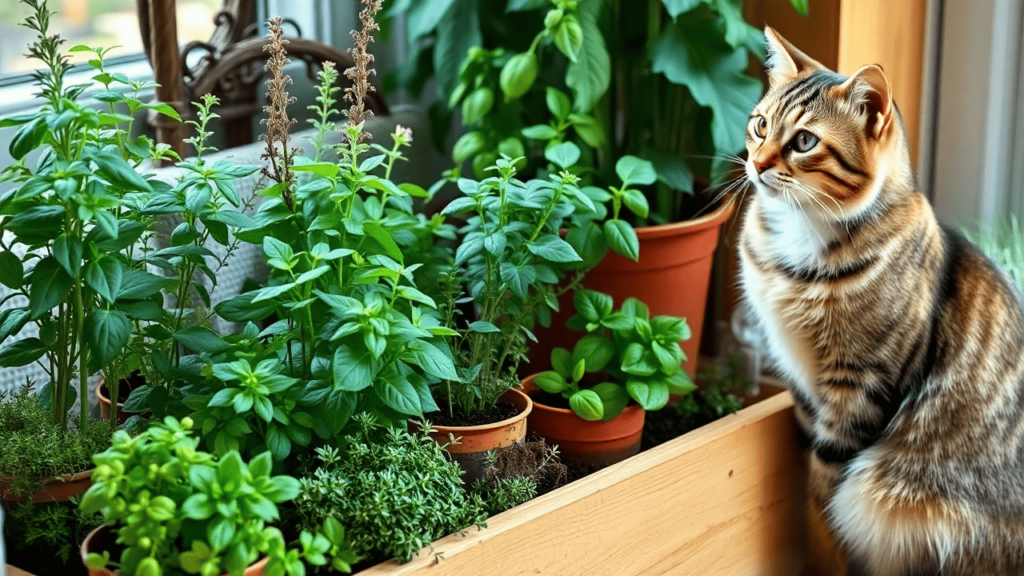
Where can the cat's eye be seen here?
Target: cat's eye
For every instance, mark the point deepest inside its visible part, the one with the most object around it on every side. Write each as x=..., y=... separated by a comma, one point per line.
x=760, y=126
x=804, y=141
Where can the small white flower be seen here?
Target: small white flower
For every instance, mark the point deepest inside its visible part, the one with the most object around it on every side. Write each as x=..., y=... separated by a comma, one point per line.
x=403, y=135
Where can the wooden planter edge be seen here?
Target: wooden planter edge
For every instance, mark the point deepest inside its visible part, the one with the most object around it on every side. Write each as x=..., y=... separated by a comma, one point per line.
x=759, y=440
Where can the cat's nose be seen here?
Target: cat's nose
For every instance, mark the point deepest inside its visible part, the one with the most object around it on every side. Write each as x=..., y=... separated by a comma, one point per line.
x=762, y=165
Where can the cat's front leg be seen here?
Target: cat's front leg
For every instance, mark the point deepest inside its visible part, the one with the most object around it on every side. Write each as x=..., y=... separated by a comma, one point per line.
x=825, y=555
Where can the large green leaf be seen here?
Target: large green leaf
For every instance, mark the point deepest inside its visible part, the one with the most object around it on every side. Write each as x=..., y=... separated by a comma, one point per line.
x=554, y=249
x=622, y=238
x=590, y=75
x=104, y=276
x=201, y=339
x=118, y=172
x=399, y=394
x=457, y=32
x=672, y=171
x=677, y=7
x=423, y=17
x=731, y=12
x=136, y=285
x=27, y=138
x=68, y=251
x=241, y=308
x=587, y=405
x=352, y=371
x=564, y=155
x=11, y=271
x=12, y=321
x=49, y=286
x=649, y=394
x=633, y=170
x=22, y=352
x=588, y=241
x=37, y=224
x=595, y=351
x=592, y=305
x=692, y=53
x=108, y=332
x=614, y=397
x=382, y=237
x=432, y=360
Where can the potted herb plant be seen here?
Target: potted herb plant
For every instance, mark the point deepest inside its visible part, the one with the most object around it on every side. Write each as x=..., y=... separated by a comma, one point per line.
x=583, y=404
x=168, y=505
x=512, y=261
x=202, y=202
x=351, y=332
x=76, y=229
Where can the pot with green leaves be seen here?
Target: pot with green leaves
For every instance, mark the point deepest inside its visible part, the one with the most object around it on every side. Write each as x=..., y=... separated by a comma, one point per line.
x=168, y=506
x=512, y=265
x=583, y=403
x=667, y=266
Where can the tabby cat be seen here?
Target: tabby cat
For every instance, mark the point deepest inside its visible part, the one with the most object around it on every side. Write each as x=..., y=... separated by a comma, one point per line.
x=900, y=341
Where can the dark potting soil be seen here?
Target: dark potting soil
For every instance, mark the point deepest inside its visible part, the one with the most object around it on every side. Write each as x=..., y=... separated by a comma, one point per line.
x=665, y=425
x=499, y=412
x=126, y=385
x=551, y=400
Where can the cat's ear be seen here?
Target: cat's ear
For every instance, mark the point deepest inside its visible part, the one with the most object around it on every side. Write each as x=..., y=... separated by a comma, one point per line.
x=784, y=60
x=869, y=91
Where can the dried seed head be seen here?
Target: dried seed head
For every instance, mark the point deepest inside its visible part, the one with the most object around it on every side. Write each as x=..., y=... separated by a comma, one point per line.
x=359, y=74
x=277, y=121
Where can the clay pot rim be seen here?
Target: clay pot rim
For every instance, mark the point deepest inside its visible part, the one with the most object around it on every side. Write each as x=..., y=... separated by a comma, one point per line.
x=7, y=493
x=84, y=550
x=542, y=407
x=75, y=477
x=500, y=424
x=100, y=386
x=720, y=214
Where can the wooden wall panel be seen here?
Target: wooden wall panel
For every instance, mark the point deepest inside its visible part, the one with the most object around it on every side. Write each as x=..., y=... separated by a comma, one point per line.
x=891, y=34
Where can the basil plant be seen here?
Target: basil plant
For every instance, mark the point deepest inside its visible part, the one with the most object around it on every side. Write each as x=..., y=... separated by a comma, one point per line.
x=641, y=359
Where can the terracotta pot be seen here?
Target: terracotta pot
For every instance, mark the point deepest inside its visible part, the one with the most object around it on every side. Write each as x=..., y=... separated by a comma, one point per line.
x=583, y=442
x=103, y=538
x=671, y=276
x=50, y=490
x=476, y=441
x=104, y=402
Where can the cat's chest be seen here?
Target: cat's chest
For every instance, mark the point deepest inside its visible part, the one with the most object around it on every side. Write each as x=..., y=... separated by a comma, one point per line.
x=794, y=315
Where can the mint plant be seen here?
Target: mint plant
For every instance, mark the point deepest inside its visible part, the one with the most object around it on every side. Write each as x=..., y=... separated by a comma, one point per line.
x=175, y=507
x=642, y=359
x=512, y=262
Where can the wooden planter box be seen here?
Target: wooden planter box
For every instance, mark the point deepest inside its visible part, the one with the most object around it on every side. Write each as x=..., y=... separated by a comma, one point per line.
x=726, y=499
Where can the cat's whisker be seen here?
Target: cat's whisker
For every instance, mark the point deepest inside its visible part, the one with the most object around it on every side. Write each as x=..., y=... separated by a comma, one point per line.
x=810, y=192
x=729, y=185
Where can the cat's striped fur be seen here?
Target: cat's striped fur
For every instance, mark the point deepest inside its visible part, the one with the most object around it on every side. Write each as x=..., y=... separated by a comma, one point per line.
x=902, y=343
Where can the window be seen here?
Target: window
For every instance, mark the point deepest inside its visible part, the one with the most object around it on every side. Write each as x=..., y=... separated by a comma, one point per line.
x=95, y=23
